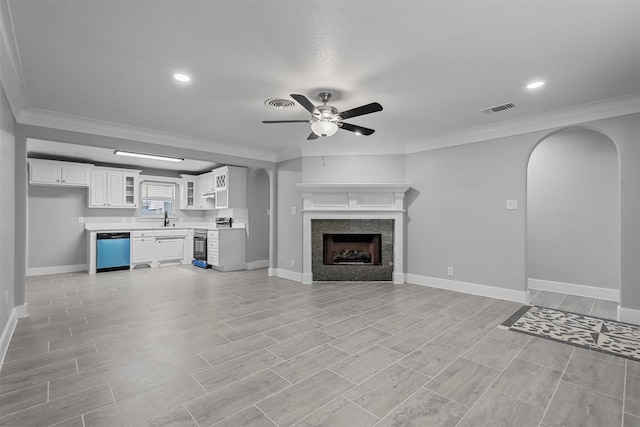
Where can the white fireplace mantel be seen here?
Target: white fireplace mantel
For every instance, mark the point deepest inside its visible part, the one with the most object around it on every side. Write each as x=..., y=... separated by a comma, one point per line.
x=354, y=201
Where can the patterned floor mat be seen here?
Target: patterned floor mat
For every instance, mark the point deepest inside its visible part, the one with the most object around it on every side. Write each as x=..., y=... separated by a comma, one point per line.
x=606, y=336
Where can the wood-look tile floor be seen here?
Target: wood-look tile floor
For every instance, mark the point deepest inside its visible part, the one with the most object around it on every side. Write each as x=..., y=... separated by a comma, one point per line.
x=182, y=346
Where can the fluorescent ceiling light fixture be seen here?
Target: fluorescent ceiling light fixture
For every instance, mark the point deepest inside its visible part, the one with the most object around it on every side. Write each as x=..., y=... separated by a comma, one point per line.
x=147, y=156
x=535, y=85
x=181, y=77
x=324, y=127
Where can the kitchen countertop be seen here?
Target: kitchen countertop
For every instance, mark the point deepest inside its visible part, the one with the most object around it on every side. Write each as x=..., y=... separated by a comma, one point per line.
x=120, y=226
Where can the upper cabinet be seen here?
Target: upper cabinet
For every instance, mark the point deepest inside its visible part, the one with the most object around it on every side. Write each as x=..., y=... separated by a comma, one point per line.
x=113, y=188
x=53, y=172
x=193, y=188
x=230, y=185
x=188, y=192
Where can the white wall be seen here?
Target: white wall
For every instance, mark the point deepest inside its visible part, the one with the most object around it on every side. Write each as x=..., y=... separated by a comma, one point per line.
x=289, y=225
x=7, y=215
x=573, y=233
x=457, y=214
x=354, y=169
x=56, y=238
x=258, y=221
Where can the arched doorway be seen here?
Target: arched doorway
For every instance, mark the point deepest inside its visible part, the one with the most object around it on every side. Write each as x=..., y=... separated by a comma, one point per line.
x=573, y=223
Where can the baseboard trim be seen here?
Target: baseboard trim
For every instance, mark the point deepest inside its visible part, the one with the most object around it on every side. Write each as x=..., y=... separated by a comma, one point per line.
x=289, y=275
x=254, y=265
x=470, y=288
x=58, y=269
x=628, y=315
x=17, y=313
x=399, y=278
x=574, y=289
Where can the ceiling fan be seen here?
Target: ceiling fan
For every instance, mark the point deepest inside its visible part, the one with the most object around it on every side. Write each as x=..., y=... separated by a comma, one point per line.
x=326, y=120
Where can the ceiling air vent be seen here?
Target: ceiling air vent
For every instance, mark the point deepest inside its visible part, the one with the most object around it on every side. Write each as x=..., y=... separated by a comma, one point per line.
x=279, y=103
x=497, y=108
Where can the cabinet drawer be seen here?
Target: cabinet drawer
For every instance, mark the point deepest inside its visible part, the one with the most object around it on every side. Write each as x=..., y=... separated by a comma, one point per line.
x=212, y=235
x=212, y=259
x=212, y=244
x=142, y=233
x=162, y=233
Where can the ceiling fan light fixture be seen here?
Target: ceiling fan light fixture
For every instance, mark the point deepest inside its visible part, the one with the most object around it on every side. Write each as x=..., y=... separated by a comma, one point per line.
x=324, y=127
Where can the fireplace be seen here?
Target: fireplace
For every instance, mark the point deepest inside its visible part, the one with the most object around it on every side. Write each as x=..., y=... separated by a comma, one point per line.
x=352, y=249
x=351, y=214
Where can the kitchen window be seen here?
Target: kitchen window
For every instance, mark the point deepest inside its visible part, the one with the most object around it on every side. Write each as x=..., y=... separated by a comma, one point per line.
x=158, y=198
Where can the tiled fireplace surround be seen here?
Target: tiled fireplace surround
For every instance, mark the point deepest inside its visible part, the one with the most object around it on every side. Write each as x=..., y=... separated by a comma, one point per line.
x=351, y=208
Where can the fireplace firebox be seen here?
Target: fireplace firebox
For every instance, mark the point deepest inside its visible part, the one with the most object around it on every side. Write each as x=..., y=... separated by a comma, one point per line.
x=352, y=249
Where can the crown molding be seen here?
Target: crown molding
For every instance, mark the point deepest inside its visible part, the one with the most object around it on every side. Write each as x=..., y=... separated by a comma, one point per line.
x=10, y=69
x=614, y=107
x=49, y=119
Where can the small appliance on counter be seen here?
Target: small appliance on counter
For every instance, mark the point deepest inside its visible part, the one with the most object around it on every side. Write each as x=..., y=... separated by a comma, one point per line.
x=223, y=222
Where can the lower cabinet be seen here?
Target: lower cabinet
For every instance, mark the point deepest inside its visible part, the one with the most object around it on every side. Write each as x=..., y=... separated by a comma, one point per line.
x=226, y=249
x=142, y=250
x=155, y=247
x=169, y=250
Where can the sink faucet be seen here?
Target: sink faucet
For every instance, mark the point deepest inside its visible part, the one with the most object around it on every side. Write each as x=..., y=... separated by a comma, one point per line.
x=166, y=218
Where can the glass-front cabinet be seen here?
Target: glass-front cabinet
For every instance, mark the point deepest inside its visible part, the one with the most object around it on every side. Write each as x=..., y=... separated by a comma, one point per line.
x=130, y=187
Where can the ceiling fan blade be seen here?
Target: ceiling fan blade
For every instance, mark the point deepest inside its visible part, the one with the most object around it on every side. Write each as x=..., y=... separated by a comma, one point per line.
x=304, y=101
x=359, y=111
x=357, y=129
x=286, y=121
x=312, y=136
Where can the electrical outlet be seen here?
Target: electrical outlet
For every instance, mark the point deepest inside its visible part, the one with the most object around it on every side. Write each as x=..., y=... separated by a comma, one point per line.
x=81, y=219
x=512, y=204
x=450, y=271
x=294, y=210
x=293, y=263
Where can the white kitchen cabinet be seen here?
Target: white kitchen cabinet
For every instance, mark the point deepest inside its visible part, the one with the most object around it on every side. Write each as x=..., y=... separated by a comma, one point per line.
x=188, y=192
x=130, y=197
x=142, y=251
x=53, y=172
x=205, y=185
x=169, y=249
x=230, y=184
x=113, y=189
x=193, y=187
x=226, y=249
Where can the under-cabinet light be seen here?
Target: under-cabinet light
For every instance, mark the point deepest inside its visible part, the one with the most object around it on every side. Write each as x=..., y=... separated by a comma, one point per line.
x=147, y=156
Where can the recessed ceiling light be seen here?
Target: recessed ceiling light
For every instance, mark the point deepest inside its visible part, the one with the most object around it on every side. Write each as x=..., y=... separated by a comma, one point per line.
x=147, y=156
x=181, y=77
x=535, y=85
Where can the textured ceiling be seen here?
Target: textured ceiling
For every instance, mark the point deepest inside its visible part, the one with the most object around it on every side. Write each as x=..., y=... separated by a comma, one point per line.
x=433, y=65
